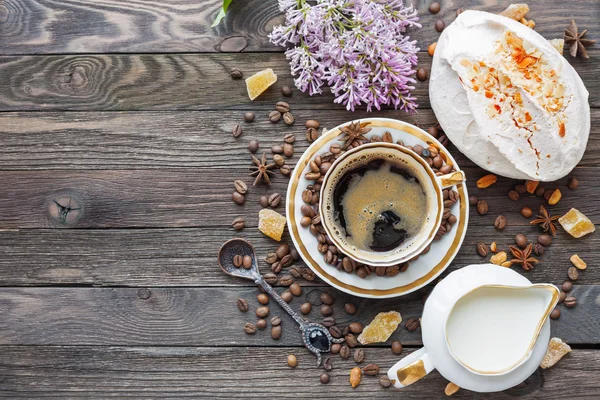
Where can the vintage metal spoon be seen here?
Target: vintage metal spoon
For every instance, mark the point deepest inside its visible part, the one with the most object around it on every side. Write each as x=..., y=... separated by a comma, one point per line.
x=316, y=337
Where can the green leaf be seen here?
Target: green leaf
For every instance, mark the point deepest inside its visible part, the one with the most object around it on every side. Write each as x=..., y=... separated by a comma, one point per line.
x=221, y=13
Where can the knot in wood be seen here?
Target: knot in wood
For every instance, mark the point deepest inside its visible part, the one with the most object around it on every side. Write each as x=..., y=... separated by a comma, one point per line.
x=64, y=209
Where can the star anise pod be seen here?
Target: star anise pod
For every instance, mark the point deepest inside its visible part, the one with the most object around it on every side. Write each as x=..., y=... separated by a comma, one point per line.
x=261, y=170
x=522, y=257
x=576, y=41
x=354, y=131
x=546, y=221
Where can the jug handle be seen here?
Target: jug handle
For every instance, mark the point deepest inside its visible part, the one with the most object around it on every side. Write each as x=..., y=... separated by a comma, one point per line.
x=410, y=369
x=451, y=179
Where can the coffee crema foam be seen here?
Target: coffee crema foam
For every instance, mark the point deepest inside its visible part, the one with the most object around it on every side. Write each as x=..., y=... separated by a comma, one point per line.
x=378, y=192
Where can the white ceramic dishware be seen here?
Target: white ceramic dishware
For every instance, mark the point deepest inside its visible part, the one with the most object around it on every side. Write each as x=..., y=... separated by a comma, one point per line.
x=485, y=328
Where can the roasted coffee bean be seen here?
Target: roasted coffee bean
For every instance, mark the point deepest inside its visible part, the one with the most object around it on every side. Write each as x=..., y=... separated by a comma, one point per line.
x=287, y=296
x=482, y=207
x=238, y=260
x=567, y=286
x=545, y=239
x=276, y=149
x=274, y=116
x=238, y=223
x=261, y=324
x=276, y=332
x=249, y=328
x=271, y=257
x=274, y=200
x=351, y=340
x=570, y=302
x=247, y=262
x=285, y=170
x=387, y=136
x=253, y=146
x=308, y=274
x=282, y=107
x=440, y=25
x=292, y=361
x=422, y=76
x=335, y=348
x=249, y=116
x=288, y=118
x=482, y=249
x=345, y=331
x=311, y=123
x=326, y=310
x=305, y=221
x=350, y=308
x=278, y=160
x=263, y=298
x=240, y=187
x=526, y=212
x=573, y=273
x=521, y=240
x=548, y=194
x=573, y=183
x=513, y=195
x=328, y=364
x=236, y=73
x=412, y=324
x=290, y=138
x=359, y=356
x=294, y=253
x=345, y=352
x=562, y=297
x=270, y=278
x=286, y=91
x=288, y=150
x=335, y=331
x=538, y=249
x=238, y=198
x=305, y=308
x=264, y=201
x=362, y=272
x=312, y=134
x=555, y=314
x=371, y=369
x=296, y=289
x=438, y=161
x=328, y=322
x=282, y=251
x=286, y=280
x=355, y=327
x=237, y=131
x=275, y=321
x=324, y=378
x=473, y=200
x=385, y=382
x=521, y=189
x=262, y=311
x=539, y=192
x=396, y=347
x=500, y=222
x=434, y=7
x=326, y=298
x=286, y=261
x=242, y=304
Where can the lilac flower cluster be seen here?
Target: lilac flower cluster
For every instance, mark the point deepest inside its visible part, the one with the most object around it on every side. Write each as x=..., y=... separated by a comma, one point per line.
x=357, y=47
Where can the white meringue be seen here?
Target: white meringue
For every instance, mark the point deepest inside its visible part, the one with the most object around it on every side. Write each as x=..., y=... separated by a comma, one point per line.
x=507, y=99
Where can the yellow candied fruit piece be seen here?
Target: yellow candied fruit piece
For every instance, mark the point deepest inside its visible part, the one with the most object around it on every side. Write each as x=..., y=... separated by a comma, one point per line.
x=259, y=82
x=271, y=223
x=576, y=223
x=381, y=328
x=556, y=350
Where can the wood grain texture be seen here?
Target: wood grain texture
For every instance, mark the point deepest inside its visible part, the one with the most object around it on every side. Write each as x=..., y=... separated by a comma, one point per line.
x=175, y=82
x=204, y=372
x=117, y=26
x=188, y=257
x=210, y=317
x=176, y=139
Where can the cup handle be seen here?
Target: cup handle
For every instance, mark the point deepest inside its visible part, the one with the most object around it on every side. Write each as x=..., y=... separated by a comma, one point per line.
x=410, y=369
x=451, y=179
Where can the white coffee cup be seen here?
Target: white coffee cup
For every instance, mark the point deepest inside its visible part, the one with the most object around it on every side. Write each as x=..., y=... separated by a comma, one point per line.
x=431, y=184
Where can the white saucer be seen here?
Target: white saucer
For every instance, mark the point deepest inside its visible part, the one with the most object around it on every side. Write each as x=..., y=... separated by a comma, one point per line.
x=440, y=302
x=423, y=270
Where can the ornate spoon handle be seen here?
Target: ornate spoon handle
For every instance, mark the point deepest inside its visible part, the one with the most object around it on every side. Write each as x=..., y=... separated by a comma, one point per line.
x=269, y=289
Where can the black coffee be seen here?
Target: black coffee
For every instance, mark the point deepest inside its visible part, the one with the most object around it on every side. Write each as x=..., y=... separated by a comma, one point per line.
x=379, y=205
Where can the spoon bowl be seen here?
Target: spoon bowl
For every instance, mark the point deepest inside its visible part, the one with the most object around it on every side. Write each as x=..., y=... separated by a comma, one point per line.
x=234, y=247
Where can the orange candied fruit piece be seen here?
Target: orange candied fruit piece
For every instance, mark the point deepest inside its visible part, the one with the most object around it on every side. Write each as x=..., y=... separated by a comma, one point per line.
x=486, y=181
x=381, y=328
x=271, y=223
x=259, y=82
x=557, y=349
x=576, y=223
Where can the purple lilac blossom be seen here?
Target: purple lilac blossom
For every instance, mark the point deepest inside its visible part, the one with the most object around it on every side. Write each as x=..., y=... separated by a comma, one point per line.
x=356, y=47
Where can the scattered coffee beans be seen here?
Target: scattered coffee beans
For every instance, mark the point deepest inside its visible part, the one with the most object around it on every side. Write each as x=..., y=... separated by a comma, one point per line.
x=573, y=273
x=276, y=321
x=385, y=382
x=412, y=324
x=276, y=332
x=473, y=200
x=249, y=116
x=236, y=73
x=292, y=361
x=355, y=327
x=526, y=212
x=287, y=296
x=296, y=289
x=350, y=308
x=288, y=118
x=345, y=352
x=274, y=116
x=482, y=207
x=324, y=378
x=570, y=302
x=359, y=356
x=237, y=131
x=239, y=223
x=513, y=195
x=573, y=183
x=253, y=146
x=286, y=91
x=326, y=299
x=521, y=240
x=326, y=309
x=500, y=222
x=271, y=279
x=247, y=262
x=264, y=201
x=371, y=369
x=335, y=348
x=305, y=308
x=555, y=314
x=274, y=200
x=238, y=198
x=545, y=240
x=261, y=324
x=328, y=364
x=240, y=187
x=422, y=74
x=262, y=312
x=263, y=298
x=440, y=25
x=434, y=7
x=396, y=347
x=351, y=340
x=249, y=328
x=567, y=286
x=482, y=249
x=242, y=305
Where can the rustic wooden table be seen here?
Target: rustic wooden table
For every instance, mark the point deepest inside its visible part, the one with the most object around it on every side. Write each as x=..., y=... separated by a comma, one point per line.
x=126, y=108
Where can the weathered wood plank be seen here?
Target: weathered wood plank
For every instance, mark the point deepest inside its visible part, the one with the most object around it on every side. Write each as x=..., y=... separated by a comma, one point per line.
x=208, y=316
x=188, y=257
x=174, y=82
x=115, y=26
x=174, y=139
x=205, y=372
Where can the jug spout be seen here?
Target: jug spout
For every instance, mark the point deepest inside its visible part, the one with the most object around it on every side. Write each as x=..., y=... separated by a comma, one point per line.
x=492, y=329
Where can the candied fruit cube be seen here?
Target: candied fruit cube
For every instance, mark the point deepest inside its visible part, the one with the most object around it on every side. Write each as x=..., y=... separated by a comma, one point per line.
x=259, y=82
x=576, y=223
x=381, y=328
x=556, y=350
x=271, y=223
x=515, y=11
